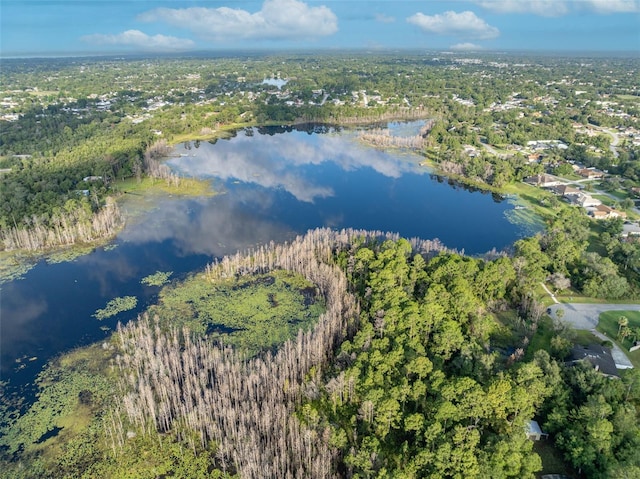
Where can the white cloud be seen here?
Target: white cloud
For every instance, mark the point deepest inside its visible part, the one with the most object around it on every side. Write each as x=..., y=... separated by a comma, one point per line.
x=614, y=6
x=138, y=39
x=464, y=25
x=278, y=162
x=555, y=8
x=546, y=8
x=465, y=47
x=278, y=19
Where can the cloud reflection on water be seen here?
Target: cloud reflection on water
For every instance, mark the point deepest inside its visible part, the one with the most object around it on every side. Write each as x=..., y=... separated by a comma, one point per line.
x=19, y=325
x=282, y=161
x=212, y=226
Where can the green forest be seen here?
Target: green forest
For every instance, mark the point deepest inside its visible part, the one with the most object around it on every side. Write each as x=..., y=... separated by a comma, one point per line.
x=420, y=363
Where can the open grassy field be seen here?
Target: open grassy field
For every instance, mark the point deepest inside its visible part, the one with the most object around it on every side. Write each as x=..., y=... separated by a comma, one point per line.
x=537, y=199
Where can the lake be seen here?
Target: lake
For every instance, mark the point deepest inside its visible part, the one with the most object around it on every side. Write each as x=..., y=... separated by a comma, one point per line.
x=274, y=183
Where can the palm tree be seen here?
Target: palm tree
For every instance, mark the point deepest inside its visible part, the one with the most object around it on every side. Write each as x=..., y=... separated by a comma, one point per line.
x=624, y=333
x=623, y=321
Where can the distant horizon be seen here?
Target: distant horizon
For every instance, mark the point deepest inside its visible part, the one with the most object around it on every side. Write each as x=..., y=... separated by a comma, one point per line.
x=68, y=28
x=632, y=54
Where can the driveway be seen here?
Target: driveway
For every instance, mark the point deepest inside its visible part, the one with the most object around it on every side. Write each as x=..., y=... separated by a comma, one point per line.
x=585, y=316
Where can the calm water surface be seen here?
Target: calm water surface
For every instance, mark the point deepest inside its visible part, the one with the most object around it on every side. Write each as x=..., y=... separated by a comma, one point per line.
x=276, y=183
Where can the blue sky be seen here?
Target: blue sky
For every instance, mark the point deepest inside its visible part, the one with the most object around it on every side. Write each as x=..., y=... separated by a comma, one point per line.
x=80, y=27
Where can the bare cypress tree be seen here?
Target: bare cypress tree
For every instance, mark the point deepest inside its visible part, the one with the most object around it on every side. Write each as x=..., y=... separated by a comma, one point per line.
x=76, y=226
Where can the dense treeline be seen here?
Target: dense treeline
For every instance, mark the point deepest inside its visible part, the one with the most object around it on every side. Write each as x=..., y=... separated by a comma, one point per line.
x=42, y=179
x=593, y=420
x=75, y=225
x=44, y=199
x=419, y=391
x=561, y=254
x=47, y=131
x=70, y=191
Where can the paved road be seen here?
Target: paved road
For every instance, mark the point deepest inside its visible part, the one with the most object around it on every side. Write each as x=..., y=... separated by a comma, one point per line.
x=492, y=150
x=585, y=316
x=615, y=139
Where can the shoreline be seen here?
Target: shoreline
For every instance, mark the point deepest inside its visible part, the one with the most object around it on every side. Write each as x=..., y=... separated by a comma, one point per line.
x=14, y=264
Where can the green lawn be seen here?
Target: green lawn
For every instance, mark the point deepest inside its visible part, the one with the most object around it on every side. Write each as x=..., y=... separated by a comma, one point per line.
x=571, y=177
x=552, y=460
x=629, y=97
x=536, y=198
x=546, y=332
x=542, y=338
x=604, y=198
x=608, y=325
x=585, y=338
x=596, y=228
x=573, y=296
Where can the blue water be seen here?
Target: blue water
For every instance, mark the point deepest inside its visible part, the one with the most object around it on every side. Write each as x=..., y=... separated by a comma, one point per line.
x=305, y=181
x=275, y=183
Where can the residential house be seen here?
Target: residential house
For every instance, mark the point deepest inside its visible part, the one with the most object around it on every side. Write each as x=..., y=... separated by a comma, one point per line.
x=546, y=144
x=534, y=432
x=600, y=212
x=598, y=357
x=543, y=181
x=591, y=173
x=565, y=190
x=584, y=200
x=630, y=230
x=471, y=151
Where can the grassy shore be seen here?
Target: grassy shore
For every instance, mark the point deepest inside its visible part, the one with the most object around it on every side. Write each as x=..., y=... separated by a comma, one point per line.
x=187, y=187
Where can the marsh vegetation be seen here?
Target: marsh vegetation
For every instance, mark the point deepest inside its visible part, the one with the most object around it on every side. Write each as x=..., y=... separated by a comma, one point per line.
x=116, y=306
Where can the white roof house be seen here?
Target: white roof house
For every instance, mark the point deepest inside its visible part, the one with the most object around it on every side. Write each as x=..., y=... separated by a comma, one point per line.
x=584, y=200
x=534, y=432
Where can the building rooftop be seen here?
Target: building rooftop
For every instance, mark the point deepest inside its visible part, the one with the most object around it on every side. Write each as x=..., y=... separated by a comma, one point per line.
x=598, y=356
